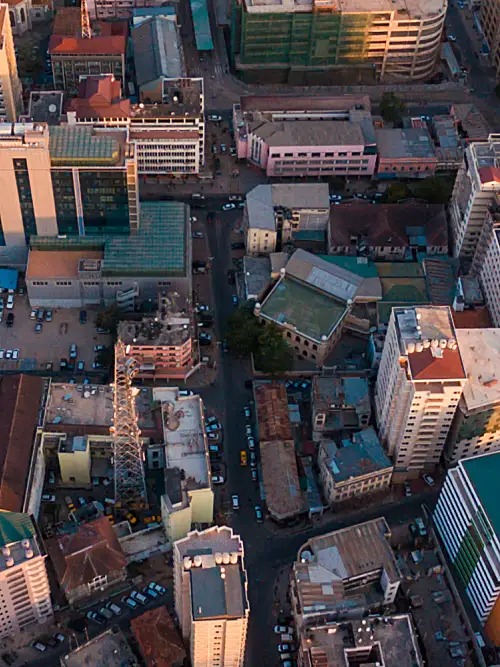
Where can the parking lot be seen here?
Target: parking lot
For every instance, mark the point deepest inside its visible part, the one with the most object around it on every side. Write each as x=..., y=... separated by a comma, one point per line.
x=52, y=343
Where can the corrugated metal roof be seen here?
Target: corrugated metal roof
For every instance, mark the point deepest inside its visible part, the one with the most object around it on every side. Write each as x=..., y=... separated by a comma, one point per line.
x=201, y=23
x=157, y=50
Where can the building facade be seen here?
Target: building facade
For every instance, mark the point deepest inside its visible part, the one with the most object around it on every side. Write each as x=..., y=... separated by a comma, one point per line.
x=24, y=585
x=485, y=264
x=419, y=384
x=466, y=518
x=406, y=153
x=20, y=16
x=11, y=94
x=489, y=18
x=291, y=42
x=211, y=596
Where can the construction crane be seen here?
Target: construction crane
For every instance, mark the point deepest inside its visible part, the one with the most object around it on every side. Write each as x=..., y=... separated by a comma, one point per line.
x=130, y=483
x=85, y=20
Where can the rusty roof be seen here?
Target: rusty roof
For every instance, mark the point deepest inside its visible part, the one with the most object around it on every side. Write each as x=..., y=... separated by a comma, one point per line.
x=272, y=411
x=97, y=46
x=479, y=318
x=91, y=552
x=100, y=97
x=425, y=366
x=280, y=478
x=159, y=641
x=20, y=397
x=291, y=103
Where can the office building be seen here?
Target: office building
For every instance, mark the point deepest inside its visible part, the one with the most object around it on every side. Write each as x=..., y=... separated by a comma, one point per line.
x=292, y=136
x=11, y=94
x=65, y=181
x=24, y=585
x=419, y=384
x=476, y=186
x=211, y=596
x=122, y=9
x=322, y=42
x=475, y=429
x=489, y=18
x=467, y=520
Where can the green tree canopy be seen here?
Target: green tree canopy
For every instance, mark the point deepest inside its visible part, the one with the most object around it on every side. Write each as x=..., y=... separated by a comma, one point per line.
x=273, y=354
x=108, y=318
x=391, y=108
x=396, y=191
x=242, y=332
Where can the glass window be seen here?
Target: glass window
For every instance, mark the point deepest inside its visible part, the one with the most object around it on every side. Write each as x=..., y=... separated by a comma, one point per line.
x=64, y=198
x=25, y=198
x=105, y=202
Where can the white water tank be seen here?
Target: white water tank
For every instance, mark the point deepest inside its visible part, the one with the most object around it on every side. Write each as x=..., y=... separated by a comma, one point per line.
x=188, y=563
x=234, y=557
x=26, y=544
x=6, y=551
x=427, y=343
x=434, y=343
x=443, y=343
x=9, y=561
x=226, y=558
x=419, y=347
x=218, y=557
x=197, y=561
x=451, y=343
x=410, y=348
x=29, y=553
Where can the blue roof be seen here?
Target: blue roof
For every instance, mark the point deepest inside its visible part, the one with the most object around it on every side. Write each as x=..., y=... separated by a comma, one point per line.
x=8, y=278
x=153, y=11
x=201, y=23
x=355, y=390
x=484, y=473
x=359, y=456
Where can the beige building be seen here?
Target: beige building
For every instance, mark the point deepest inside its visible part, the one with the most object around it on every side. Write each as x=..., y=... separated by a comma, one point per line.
x=11, y=94
x=24, y=586
x=489, y=17
x=475, y=429
x=75, y=460
x=211, y=596
x=487, y=259
x=420, y=382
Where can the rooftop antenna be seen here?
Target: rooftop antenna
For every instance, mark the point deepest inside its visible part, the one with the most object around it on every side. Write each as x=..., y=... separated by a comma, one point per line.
x=85, y=27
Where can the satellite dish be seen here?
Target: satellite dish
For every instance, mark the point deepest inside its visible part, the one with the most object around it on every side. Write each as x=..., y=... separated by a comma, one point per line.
x=52, y=108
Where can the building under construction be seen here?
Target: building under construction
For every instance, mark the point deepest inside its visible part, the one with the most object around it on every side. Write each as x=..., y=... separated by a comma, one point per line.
x=329, y=41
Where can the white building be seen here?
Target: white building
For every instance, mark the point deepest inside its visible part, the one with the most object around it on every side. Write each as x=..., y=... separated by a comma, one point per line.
x=486, y=263
x=420, y=381
x=211, y=596
x=475, y=429
x=467, y=518
x=24, y=586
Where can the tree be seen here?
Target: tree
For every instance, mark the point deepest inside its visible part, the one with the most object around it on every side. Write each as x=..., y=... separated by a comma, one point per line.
x=242, y=332
x=396, y=191
x=435, y=189
x=273, y=354
x=391, y=108
x=108, y=318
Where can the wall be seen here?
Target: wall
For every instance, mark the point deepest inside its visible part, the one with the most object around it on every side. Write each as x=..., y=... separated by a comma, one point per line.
x=75, y=467
x=202, y=505
x=177, y=524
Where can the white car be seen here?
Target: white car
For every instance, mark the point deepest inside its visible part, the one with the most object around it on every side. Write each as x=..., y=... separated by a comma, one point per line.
x=282, y=630
x=15, y=354
x=10, y=302
x=428, y=480
x=192, y=219
x=251, y=443
x=2, y=354
x=248, y=430
x=226, y=207
x=235, y=198
x=218, y=479
x=214, y=118
x=451, y=38
x=235, y=502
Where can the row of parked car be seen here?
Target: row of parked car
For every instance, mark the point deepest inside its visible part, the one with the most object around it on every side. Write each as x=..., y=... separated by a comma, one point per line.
x=286, y=647
x=134, y=600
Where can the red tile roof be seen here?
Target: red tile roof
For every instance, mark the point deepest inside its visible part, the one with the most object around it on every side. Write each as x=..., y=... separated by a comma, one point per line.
x=159, y=641
x=20, y=397
x=92, y=551
x=105, y=46
x=424, y=366
x=272, y=411
x=100, y=97
x=489, y=174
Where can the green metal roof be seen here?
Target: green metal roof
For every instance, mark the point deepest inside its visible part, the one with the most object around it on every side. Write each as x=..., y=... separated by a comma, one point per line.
x=15, y=527
x=484, y=473
x=312, y=313
x=79, y=146
x=201, y=23
x=365, y=269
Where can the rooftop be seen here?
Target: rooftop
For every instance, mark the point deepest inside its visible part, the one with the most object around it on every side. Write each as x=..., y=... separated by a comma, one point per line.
x=479, y=318
x=480, y=350
x=302, y=103
x=157, y=50
x=271, y=404
x=184, y=435
x=263, y=200
x=201, y=24
x=100, y=97
x=108, y=649
x=284, y=497
x=410, y=9
x=391, y=644
x=344, y=399
x=15, y=527
x=361, y=455
x=158, y=639
x=170, y=327
x=180, y=97
x=46, y=106
x=471, y=122
x=403, y=283
x=411, y=143
x=83, y=146
x=257, y=272
x=309, y=133
x=57, y=263
x=441, y=279
x=484, y=473
x=97, y=46
x=427, y=338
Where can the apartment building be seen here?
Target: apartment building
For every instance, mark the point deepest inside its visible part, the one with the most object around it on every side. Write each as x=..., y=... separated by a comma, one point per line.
x=274, y=213
x=211, y=596
x=476, y=186
x=419, y=384
x=339, y=404
x=318, y=41
x=466, y=518
x=11, y=94
x=167, y=128
x=118, y=9
x=24, y=585
x=475, y=429
x=486, y=261
x=489, y=17
x=64, y=181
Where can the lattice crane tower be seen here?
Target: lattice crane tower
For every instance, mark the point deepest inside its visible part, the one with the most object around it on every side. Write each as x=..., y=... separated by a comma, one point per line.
x=130, y=483
x=85, y=20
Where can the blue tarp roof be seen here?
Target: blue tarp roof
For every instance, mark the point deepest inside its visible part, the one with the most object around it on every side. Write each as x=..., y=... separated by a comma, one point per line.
x=201, y=23
x=8, y=278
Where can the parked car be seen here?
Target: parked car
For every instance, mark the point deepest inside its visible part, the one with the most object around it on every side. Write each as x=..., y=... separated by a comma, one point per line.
x=225, y=207
x=243, y=457
x=214, y=118
x=247, y=412
x=10, y=657
x=211, y=420
x=159, y=589
x=259, y=515
x=10, y=302
x=129, y=602
x=8, y=354
x=99, y=348
x=10, y=320
x=48, y=498
x=48, y=316
x=39, y=314
x=204, y=338
x=407, y=489
x=97, y=618
x=213, y=427
x=186, y=392
x=73, y=351
x=15, y=354
x=83, y=316
x=253, y=460
x=218, y=479
x=52, y=477
x=428, y=480
x=248, y=430
x=197, y=235
x=235, y=198
x=254, y=475
x=107, y=613
x=235, y=501
x=38, y=327
x=114, y=608
x=33, y=314
x=286, y=648
x=139, y=597
x=234, y=300
x=282, y=629
x=251, y=443
x=39, y=646
x=80, y=367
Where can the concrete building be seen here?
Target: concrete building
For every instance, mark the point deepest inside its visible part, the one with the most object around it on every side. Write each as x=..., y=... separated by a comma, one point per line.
x=490, y=24
x=75, y=461
x=394, y=232
x=406, y=153
x=356, y=466
x=467, y=520
x=20, y=16
x=24, y=585
x=122, y=9
x=343, y=574
x=290, y=136
x=339, y=403
x=109, y=649
x=211, y=596
x=167, y=128
x=419, y=384
x=475, y=429
x=325, y=44
x=189, y=497
x=275, y=213
x=89, y=560
x=486, y=259
x=162, y=345
x=313, y=301
x=11, y=94
x=476, y=186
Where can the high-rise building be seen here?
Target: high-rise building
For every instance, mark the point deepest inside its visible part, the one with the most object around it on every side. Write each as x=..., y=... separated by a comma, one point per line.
x=467, y=519
x=420, y=382
x=11, y=94
x=489, y=16
x=67, y=181
x=211, y=596
x=24, y=586
x=321, y=41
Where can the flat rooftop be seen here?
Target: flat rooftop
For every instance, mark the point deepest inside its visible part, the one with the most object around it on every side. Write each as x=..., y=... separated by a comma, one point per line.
x=153, y=331
x=392, y=644
x=217, y=591
x=46, y=106
x=484, y=473
x=57, y=263
x=184, y=435
x=309, y=133
x=107, y=650
x=82, y=146
x=181, y=97
x=409, y=143
x=480, y=350
x=408, y=8
x=303, y=103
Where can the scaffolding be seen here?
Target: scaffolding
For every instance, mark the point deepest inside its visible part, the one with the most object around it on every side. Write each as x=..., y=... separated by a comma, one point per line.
x=130, y=483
